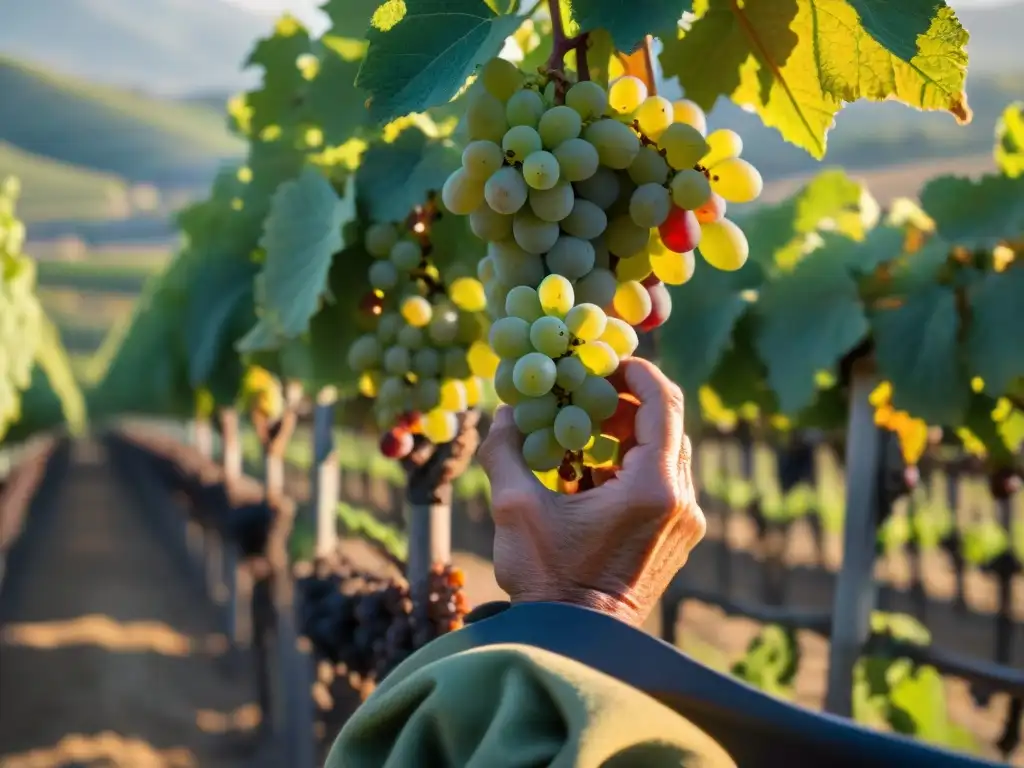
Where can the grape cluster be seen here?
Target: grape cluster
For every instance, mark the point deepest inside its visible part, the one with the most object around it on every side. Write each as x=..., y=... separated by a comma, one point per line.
x=425, y=361
x=21, y=315
x=589, y=208
x=371, y=624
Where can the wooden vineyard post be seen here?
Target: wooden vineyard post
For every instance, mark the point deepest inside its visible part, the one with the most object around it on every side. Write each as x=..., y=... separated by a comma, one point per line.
x=855, y=588
x=236, y=580
x=326, y=478
x=202, y=437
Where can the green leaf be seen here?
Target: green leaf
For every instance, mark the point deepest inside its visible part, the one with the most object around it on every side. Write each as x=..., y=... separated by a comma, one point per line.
x=1009, y=149
x=809, y=319
x=882, y=245
x=835, y=202
x=300, y=237
x=262, y=337
x=221, y=288
x=916, y=349
x=795, y=62
x=628, y=23
x=349, y=18
x=976, y=214
x=423, y=51
x=333, y=102
x=276, y=99
x=395, y=177
x=996, y=335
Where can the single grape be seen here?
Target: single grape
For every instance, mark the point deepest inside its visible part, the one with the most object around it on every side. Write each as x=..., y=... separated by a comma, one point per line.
x=586, y=321
x=510, y=338
x=383, y=275
x=392, y=390
x=571, y=257
x=690, y=189
x=397, y=443
x=597, y=288
x=520, y=142
x=480, y=159
x=556, y=295
x=736, y=180
x=577, y=159
x=558, y=125
x=550, y=336
x=453, y=395
x=523, y=302
x=482, y=360
x=602, y=188
x=552, y=204
x=654, y=115
x=440, y=426
x=634, y=268
x=617, y=146
x=524, y=107
x=620, y=336
x=485, y=116
x=541, y=170
x=724, y=246
x=417, y=311
x=598, y=397
x=681, y=231
x=388, y=327
x=648, y=167
x=406, y=255
x=684, y=146
x=570, y=373
x=468, y=294
x=673, y=268
x=504, y=385
x=501, y=78
x=443, y=326
x=369, y=384
x=598, y=358
x=410, y=337
x=534, y=374
x=661, y=307
x=397, y=361
x=723, y=144
x=426, y=363
x=626, y=94
x=587, y=99
x=586, y=221
x=572, y=428
x=625, y=238
x=364, y=354
x=506, y=191
x=534, y=235
x=541, y=450
x=379, y=239
x=686, y=111
x=632, y=302
x=515, y=266
x=648, y=207
x=712, y=210
x=474, y=390
x=533, y=413
x=472, y=326
x=489, y=225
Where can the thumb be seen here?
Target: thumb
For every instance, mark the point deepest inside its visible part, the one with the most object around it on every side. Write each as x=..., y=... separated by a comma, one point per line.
x=501, y=456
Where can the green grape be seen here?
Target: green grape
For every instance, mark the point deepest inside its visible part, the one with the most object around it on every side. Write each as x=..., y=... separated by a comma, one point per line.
x=392, y=390
x=602, y=258
x=684, y=146
x=397, y=361
x=672, y=268
x=426, y=395
x=515, y=266
x=736, y=180
x=625, y=238
x=454, y=364
x=617, y=145
x=410, y=337
x=480, y=159
x=626, y=94
x=570, y=257
x=723, y=144
x=467, y=294
x=690, y=189
x=504, y=385
x=379, y=239
x=598, y=287
x=550, y=336
x=649, y=206
x=406, y=255
x=489, y=225
x=364, y=354
x=443, y=326
x=603, y=450
x=506, y=191
x=534, y=235
x=598, y=358
x=520, y=142
x=453, y=395
x=572, y=428
x=417, y=311
x=621, y=337
x=541, y=450
x=635, y=268
x=556, y=295
x=388, y=326
x=485, y=116
x=723, y=245
x=654, y=115
x=485, y=269
x=383, y=275
x=496, y=292
x=632, y=302
x=524, y=108
x=559, y=125
x=552, y=204
x=569, y=373
x=602, y=188
x=533, y=413
x=472, y=326
x=648, y=167
x=439, y=426
x=587, y=220
x=586, y=321
x=686, y=111
x=587, y=99
x=523, y=302
x=540, y=169
x=501, y=78
x=598, y=397
x=426, y=363
x=510, y=338
x=461, y=194
x=534, y=374
x=577, y=159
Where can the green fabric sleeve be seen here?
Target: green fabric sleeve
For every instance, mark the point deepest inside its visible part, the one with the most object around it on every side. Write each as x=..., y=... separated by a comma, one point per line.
x=505, y=706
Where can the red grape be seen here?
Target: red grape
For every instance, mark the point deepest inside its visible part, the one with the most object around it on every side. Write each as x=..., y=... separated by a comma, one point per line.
x=397, y=443
x=661, y=307
x=681, y=230
x=408, y=420
x=651, y=279
x=713, y=210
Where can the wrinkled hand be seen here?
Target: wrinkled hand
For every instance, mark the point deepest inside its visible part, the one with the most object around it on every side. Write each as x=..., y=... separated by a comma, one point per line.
x=616, y=546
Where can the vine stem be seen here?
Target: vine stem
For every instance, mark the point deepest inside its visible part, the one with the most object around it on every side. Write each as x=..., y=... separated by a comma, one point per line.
x=561, y=45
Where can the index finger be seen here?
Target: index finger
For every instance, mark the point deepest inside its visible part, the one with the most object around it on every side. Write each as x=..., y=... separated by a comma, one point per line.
x=659, y=419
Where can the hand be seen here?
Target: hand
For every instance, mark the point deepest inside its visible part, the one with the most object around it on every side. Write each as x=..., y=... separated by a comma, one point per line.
x=616, y=546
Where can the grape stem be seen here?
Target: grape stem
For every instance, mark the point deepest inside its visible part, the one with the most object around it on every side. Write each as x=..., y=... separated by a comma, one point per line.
x=561, y=45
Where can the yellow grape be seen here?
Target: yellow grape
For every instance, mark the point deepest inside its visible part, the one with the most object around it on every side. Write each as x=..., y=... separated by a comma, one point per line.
x=632, y=302
x=635, y=268
x=620, y=336
x=482, y=360
x=736, y=180
x=440, y=426
x=369, y=383
x=722, y=145
x=686, y=111
x=684, y=145
x=673, y=268
x=417, y=311
x=598, y=358
x=468, y=294
x=654, y=116
x=626, y=94
x=474, y=390
x=556, y=295
x=723, y=245
x=453, y=395
x=501, y=78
